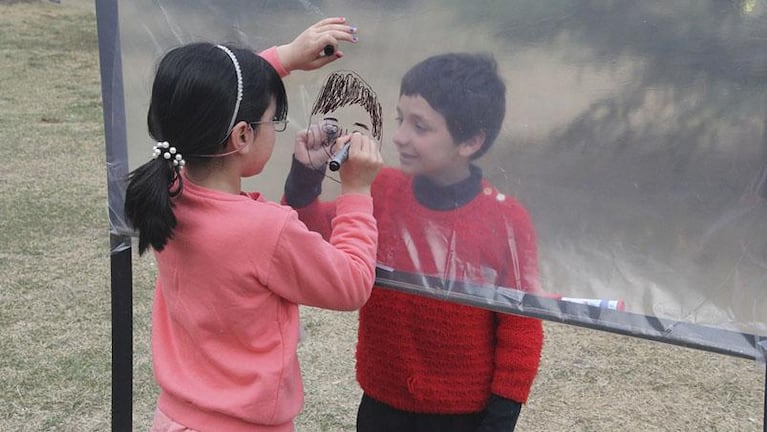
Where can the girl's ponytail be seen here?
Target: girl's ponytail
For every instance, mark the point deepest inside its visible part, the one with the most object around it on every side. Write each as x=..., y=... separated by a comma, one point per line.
x=148, y=204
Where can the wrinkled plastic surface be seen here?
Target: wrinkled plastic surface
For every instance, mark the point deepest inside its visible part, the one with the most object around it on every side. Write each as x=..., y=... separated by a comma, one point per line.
x=635, y=136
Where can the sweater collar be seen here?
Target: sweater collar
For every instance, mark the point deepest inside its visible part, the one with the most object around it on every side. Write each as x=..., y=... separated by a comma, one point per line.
x=450, y=197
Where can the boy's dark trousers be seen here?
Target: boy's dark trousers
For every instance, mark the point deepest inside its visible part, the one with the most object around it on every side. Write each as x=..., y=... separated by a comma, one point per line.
x=375, y=416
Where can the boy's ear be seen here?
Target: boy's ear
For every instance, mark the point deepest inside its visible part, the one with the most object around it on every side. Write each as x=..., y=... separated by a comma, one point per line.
x=472, y=145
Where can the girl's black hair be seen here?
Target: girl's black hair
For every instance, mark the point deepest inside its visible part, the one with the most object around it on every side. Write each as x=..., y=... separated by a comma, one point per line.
x=466, y=89
x=193, y=98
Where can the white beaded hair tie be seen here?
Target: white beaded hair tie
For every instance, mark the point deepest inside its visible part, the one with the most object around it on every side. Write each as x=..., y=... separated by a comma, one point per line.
x=168, y=153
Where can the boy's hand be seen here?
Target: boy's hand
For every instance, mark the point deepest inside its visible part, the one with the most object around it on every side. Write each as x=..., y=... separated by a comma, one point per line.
x=365, y=160
x=307, y=50
x=501, y=414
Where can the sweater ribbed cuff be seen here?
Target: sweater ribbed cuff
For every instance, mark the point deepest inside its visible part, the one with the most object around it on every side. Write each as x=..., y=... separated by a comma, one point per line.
x=303, y=185
x=270, y=55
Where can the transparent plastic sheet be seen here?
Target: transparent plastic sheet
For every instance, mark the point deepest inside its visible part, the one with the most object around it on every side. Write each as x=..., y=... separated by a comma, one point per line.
x=113, y=97
x=634, y=136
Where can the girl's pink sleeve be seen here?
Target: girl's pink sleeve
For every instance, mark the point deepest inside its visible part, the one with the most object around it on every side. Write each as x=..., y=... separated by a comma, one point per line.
x=335, y=274
x=318, y=216
x=271, y=56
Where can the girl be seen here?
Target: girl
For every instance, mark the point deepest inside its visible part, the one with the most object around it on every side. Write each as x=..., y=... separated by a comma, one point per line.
x=233, y=268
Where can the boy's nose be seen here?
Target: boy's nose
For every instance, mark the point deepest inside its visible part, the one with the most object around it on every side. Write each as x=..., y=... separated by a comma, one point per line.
x=399, y=137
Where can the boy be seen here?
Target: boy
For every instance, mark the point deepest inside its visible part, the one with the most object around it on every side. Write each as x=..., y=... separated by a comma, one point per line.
x=426, y=364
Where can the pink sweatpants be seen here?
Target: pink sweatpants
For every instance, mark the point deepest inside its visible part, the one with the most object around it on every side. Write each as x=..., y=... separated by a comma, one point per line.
x=163, y=423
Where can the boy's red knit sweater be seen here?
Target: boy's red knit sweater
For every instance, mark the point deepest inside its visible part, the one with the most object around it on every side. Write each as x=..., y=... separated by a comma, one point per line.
x=432, y=356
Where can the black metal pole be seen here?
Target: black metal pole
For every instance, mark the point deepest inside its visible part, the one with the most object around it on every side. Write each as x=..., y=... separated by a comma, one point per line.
x=122, y=339
x=115, y=137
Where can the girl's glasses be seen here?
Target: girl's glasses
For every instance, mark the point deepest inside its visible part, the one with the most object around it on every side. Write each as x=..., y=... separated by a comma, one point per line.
x=279, y=125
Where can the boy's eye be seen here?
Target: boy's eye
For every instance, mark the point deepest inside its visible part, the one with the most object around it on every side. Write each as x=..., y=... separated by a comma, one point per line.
x=398, y=119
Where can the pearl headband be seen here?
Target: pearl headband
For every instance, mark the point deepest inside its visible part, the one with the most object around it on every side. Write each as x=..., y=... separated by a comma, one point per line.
x=239, y=85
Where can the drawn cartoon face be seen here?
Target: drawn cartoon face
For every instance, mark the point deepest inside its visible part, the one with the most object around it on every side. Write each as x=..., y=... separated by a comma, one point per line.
x=345, y=104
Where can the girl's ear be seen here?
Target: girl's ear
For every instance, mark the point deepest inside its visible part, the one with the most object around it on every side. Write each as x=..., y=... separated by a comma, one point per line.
x=472, y=145
x=241, y=135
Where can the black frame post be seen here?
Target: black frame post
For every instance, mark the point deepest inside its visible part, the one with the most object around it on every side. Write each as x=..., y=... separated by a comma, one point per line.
x=115, y=136
x=122, y=340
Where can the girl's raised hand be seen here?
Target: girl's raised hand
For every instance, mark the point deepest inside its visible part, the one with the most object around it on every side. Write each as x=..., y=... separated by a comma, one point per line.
x=307, y=50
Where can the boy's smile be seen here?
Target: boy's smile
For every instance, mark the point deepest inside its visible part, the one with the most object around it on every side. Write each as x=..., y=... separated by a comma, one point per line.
x=425, y=145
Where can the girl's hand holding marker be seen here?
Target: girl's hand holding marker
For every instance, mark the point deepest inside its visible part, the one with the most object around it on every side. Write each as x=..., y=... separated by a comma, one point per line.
x=317, y=45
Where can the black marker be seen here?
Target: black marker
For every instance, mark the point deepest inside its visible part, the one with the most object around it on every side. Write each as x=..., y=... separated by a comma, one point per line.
x=328, y=50
x=340, y=157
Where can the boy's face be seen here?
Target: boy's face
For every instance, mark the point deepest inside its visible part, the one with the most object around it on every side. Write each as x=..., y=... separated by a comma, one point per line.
x=425, y=145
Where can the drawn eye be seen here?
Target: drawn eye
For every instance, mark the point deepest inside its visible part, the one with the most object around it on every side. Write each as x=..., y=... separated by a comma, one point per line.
x=329, y=128
x=331, y=131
